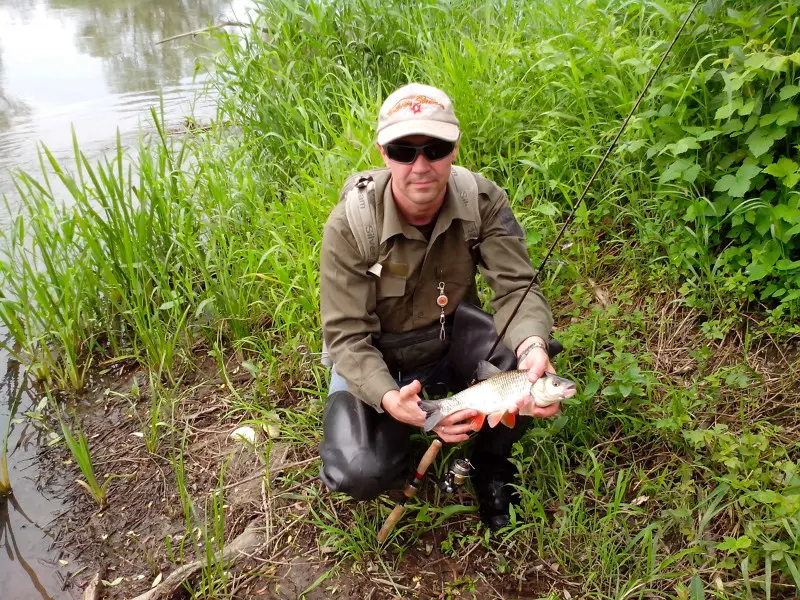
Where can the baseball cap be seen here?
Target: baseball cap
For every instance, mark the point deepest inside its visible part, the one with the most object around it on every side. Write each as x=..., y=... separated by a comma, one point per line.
x=417, y=109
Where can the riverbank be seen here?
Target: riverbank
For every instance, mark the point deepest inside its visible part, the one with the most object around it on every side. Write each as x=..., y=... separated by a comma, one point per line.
x=673, y=471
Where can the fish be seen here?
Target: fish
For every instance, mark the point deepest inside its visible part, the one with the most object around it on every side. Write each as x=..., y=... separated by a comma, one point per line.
x=496, y=395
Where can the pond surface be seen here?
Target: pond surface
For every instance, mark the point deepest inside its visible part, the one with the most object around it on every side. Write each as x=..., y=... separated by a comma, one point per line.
x=94, y=65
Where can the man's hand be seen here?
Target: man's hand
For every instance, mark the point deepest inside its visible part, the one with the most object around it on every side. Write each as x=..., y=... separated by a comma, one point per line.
x=403, y=405
x=536, y=361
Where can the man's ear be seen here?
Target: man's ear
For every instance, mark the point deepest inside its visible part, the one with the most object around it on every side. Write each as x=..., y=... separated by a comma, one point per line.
x=455, y=150
x=383, y=154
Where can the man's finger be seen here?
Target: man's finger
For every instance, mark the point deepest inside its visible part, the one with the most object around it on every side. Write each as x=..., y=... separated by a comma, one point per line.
x=457, y=429
x=412, y=389
x=546, y=411
x=459, y=416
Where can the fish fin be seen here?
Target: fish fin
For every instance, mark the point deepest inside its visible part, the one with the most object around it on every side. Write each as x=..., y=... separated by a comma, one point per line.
x=477, y=422
x=434, y=415
x=527, y=409
x=509, y=420
x=486, y=370
x=494, y=419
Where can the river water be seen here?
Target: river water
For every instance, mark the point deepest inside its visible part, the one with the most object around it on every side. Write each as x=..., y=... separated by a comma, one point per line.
x=94, y=65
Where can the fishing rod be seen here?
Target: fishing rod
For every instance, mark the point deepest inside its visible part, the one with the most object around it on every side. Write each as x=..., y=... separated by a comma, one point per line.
x=592, y=178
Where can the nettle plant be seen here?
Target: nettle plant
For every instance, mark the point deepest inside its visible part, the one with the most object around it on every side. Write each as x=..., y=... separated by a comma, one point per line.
x=727, y=159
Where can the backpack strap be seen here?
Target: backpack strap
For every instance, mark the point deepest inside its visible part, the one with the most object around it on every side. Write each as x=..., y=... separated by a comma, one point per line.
x=466, y=190
x=358, y=194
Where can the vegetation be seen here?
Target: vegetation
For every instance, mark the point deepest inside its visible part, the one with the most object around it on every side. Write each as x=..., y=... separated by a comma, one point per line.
x=674, y=473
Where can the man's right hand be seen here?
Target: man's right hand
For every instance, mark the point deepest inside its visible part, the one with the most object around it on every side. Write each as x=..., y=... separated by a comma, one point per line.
x=403, y=405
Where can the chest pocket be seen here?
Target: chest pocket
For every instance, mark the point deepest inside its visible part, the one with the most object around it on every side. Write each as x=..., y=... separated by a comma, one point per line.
x=459, y=272
x=390, y=286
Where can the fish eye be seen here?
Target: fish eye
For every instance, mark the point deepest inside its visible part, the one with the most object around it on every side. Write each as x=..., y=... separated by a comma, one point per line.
x=556, y=383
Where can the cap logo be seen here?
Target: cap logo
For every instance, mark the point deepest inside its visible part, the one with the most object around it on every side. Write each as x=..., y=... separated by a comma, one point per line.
x=415, y=104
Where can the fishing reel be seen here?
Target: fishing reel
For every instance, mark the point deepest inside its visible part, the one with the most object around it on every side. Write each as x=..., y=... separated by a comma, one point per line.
x=457, y=475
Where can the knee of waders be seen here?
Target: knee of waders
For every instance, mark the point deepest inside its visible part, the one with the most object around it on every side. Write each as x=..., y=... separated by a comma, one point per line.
x=352, y=449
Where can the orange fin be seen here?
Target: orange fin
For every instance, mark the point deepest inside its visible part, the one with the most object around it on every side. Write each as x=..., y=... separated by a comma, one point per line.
x=494, y=419
x=477, y=421
x=509, y=420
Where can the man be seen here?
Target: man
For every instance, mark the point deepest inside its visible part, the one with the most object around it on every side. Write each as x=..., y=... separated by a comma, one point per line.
x=388, y=326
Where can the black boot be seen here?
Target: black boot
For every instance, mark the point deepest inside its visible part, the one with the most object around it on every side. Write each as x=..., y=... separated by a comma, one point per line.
x=495, y=493
x=494, y=474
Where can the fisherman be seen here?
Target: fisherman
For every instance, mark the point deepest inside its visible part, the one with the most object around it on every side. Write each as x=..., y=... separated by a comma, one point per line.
x=399, y=257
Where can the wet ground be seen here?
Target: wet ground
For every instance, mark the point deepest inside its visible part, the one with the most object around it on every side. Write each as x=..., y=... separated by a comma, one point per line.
x=95, y=66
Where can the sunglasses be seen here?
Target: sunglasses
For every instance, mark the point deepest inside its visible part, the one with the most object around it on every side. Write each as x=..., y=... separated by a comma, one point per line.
x=408, y=153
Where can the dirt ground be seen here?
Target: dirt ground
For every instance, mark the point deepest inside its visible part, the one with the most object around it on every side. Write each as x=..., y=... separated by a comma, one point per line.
x=127, y=538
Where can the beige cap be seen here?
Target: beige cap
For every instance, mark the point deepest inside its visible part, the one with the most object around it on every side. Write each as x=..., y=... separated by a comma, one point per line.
x=417, y=109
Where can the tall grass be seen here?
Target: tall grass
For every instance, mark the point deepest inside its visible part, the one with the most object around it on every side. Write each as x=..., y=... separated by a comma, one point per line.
x=209, y=244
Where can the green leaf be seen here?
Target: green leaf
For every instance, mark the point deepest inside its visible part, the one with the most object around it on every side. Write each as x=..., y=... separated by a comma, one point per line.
x=732, y=126
x=737, y=185
x=690, y=174
x=674, y=170
x=726, y=110
x=777, y=64
x=731, y=543
x=698, y=592
x=787, y=115
x=684, y=145
x=707, y=135
x=747, y=109
x=783, y=168
x=748, y=171
x=759, y=141
x=757, y=271
x=756, y=61
x=789, y=91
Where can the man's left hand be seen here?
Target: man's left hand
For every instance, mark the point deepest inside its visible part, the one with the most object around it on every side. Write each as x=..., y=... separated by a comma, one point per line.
x=537, y=362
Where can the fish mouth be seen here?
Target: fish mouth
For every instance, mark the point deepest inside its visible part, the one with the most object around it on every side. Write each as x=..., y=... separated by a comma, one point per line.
x=570, y=391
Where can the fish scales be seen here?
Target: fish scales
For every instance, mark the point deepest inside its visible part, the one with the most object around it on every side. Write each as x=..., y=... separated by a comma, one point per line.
x=496, y=394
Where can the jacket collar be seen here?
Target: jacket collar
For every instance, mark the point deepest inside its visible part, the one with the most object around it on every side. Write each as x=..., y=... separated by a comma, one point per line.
x=394, y=223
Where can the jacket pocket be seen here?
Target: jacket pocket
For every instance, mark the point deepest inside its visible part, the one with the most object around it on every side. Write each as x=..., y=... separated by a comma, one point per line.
x=461, y=272
x=390, y=286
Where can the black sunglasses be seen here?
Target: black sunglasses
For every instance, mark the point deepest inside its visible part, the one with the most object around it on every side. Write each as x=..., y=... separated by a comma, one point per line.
x=407, y=153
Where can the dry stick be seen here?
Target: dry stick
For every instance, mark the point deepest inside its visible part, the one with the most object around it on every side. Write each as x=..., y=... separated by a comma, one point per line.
x=205, y=29
x=250, y=538
x=591, y=181
x=92, y=591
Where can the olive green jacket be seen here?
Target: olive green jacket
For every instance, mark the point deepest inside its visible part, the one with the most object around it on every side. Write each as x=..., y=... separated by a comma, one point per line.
x=357, y=306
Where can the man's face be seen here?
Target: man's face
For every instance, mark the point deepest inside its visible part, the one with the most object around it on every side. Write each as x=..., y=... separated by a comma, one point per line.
x=421, y=184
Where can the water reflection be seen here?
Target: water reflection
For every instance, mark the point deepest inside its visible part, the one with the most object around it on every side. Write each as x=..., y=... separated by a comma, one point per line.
x=96, y=65
x=124, y=34
x=9, y=106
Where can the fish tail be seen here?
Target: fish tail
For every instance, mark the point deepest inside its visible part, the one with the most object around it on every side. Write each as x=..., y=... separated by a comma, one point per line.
x=433, y=413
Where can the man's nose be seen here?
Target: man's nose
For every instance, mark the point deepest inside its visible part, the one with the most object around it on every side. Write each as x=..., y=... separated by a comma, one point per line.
x=420, y=164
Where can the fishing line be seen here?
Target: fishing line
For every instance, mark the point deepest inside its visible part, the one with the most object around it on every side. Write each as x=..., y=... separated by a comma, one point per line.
x=592, y=178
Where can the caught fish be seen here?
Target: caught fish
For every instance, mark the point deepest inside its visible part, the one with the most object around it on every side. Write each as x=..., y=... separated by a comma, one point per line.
x=495, y=396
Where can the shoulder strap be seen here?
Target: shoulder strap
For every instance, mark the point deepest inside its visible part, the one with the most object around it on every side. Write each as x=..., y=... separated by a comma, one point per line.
x=358, y=194
x=466, y=189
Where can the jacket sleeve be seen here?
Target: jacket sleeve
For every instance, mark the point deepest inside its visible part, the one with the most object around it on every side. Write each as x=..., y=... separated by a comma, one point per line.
x=506, y=266
x=347, y=307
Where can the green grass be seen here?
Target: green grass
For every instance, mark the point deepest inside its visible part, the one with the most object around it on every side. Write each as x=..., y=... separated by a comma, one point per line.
x=78, y=446
x=674, y=472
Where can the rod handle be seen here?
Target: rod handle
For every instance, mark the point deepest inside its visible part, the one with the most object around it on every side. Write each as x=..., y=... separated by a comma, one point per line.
x=429, y=456
x=390, y=522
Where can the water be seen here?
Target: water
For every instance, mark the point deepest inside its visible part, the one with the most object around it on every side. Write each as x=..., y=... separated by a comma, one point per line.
x=94, y=65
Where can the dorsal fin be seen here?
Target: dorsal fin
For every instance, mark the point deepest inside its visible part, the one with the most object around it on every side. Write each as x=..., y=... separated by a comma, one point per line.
x=486, y=370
